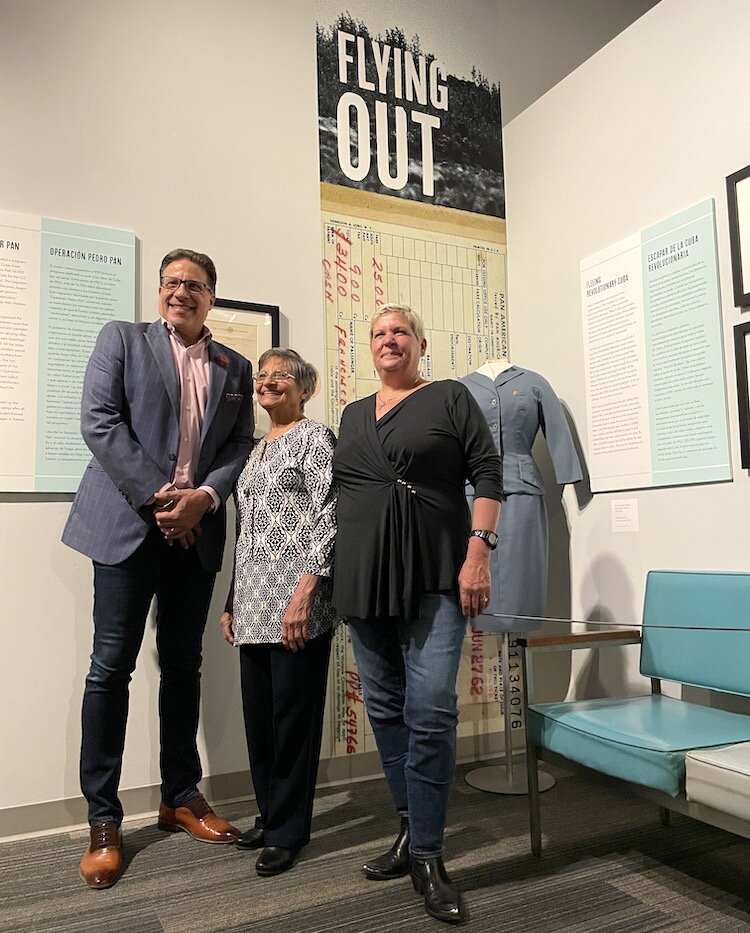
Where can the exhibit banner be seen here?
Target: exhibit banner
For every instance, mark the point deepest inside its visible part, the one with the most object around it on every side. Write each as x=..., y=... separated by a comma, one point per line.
x=60, y=281
x=412, y=211
x=654, y=361
x=408, y=117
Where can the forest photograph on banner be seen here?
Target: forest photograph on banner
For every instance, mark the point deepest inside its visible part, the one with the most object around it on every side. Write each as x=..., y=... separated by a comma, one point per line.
x=393, y=118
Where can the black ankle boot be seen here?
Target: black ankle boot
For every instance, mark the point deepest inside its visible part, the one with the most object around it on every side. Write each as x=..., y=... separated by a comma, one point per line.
x=442, y=900
x=395, y=862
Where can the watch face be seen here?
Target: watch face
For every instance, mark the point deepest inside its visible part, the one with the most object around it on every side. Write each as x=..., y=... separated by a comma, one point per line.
x=489, y=536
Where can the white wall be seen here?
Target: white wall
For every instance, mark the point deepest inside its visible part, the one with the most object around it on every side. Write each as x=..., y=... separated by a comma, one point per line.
x=192, y=124
x=651, y=124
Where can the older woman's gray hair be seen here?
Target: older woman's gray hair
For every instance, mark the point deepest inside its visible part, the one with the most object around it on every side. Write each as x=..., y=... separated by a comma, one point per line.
x=305, y=374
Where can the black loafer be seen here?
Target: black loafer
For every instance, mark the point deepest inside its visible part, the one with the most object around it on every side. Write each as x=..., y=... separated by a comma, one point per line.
x=273, y=860
x=252, y=839
x=395, y=863
x=442, y=899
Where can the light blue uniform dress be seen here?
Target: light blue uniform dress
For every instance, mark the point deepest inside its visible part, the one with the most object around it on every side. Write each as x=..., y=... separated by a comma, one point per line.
x=517, y=405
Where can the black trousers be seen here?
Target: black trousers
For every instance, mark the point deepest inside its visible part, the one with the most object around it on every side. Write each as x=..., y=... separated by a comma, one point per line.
x=283, y=698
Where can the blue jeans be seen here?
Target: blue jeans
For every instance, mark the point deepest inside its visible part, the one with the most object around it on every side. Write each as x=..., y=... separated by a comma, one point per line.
x=408, y=673
x=122, y=597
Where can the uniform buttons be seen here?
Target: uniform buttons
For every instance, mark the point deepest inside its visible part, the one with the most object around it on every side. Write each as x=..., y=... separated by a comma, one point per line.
x=493, y=402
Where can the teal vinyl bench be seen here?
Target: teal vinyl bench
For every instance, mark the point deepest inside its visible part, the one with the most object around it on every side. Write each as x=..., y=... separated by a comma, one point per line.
x=696, y=632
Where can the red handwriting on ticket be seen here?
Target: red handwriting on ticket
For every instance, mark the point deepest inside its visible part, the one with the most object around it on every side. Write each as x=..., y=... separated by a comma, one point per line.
x=377, y=274
x=353, y=696
x=342, y=343
x=348, y=275
x=328, y=281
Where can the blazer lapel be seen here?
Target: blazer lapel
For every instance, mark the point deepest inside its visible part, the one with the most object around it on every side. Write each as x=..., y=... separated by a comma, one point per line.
x=158, y=340
x=216, y=386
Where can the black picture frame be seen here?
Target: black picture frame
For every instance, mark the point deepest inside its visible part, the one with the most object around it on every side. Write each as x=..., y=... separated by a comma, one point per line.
x=741, y=357
x=262, y=315
x=250, y=329
x=738, y=207
x=245, y=326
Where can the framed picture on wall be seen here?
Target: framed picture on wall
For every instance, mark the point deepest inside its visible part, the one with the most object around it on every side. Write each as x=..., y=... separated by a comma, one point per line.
x=250, y=329
x=741, y=357
x=738, y=203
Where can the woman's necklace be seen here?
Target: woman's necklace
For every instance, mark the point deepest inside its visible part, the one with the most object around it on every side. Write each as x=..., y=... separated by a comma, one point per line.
x=383, y=401
x=287, y=427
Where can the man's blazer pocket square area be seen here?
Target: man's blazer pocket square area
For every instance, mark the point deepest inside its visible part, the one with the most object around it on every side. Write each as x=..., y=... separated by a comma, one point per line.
x=233, y=397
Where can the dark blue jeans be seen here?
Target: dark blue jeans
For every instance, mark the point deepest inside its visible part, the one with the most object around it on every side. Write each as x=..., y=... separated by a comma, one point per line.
x=122, y=597
x=408, y=672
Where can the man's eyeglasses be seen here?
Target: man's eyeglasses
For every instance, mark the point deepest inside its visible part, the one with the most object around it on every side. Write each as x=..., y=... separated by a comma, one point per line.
x=278, y=375
x=195, y=288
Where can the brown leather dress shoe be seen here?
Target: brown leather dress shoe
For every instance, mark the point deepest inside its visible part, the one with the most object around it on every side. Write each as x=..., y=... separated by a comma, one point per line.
x=198, y=820
x=101, y=864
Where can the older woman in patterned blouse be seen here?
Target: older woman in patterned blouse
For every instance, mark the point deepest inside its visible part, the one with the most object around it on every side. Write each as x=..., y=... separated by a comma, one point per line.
x=279, y=611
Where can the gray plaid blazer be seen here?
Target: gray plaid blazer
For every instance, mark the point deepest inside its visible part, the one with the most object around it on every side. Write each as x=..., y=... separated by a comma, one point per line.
x=130, y=421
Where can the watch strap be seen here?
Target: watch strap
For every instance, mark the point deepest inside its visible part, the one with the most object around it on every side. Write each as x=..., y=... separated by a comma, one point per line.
x=489, y=537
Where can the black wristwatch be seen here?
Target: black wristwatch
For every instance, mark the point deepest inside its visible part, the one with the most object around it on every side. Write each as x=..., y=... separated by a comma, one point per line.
x=489, y=537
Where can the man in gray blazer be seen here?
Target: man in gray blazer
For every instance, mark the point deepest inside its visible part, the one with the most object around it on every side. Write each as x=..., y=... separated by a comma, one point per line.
x=167, y=415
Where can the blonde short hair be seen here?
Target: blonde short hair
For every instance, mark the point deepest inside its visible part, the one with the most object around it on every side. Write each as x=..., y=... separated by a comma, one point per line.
x=408, y=314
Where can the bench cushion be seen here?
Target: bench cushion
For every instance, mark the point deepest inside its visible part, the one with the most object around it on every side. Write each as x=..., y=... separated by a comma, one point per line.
x=638, y=739
x=720, y=778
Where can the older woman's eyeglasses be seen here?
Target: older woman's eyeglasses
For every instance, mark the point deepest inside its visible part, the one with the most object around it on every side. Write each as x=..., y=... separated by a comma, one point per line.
x=171, y=284
x=278, y=375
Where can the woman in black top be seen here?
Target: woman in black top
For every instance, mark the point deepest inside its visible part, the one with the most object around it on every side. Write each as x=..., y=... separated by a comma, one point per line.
x=410, y=567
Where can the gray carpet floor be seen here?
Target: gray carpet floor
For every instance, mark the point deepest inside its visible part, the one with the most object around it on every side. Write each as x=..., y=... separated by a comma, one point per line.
x=608, y=865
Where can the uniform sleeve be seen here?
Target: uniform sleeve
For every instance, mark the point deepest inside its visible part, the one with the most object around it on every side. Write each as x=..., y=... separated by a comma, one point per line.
x=556, y=432
x=318, y=471
x=484, y=466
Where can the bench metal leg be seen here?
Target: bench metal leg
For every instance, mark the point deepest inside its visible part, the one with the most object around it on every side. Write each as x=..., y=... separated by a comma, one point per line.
x=535, y=822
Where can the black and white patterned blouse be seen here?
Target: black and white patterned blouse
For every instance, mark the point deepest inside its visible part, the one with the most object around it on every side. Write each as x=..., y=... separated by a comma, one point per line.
x=286, y=526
